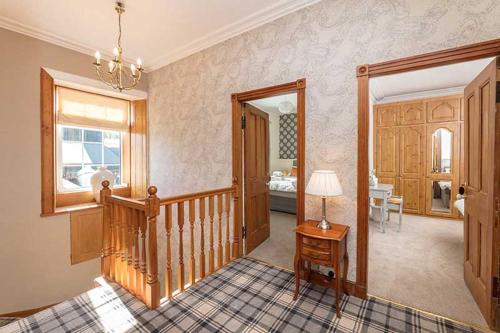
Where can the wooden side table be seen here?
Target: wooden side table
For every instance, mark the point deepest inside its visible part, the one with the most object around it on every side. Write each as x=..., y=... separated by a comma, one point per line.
x=326, y=248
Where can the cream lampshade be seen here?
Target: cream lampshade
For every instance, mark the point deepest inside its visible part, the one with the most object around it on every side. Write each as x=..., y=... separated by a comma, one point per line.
x=324, y=183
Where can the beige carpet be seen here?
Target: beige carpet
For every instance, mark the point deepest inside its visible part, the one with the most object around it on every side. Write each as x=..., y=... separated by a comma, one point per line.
x=422, y=267
x=279, y=248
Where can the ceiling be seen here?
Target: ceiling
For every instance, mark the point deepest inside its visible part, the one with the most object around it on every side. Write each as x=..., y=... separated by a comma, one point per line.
x=158, y=31
x=270, y=104
x=426, y=82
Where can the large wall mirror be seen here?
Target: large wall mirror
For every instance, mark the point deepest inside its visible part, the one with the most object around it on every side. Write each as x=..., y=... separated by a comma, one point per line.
x=442, y=146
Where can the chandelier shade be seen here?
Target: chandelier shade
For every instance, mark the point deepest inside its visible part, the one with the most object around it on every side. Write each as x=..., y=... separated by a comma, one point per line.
x=117, y=75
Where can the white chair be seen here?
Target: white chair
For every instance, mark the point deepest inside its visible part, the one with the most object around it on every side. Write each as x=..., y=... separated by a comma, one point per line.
x=395, y=203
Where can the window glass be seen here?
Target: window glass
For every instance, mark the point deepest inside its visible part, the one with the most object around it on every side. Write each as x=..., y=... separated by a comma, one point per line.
x=83, y=151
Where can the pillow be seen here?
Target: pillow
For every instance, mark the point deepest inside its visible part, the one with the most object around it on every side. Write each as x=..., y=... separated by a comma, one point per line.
x=277, y=173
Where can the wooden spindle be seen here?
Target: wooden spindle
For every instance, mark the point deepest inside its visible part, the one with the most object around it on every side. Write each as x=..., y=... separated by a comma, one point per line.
x=168, y=273
x=180, y=223
x=202, y=238
x=211, y=265
x=135, y=237
x=192, y=262
x=116, y=215
x=219, y=243
x=107, y=231
x=123, y=253
x=227, y=207
x=143, y=258
x=130, y=267
x=112, y=268
x=152, y=209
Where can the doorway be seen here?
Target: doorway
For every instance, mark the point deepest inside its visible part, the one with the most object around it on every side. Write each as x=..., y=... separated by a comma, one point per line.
x=421, y=174
x=268, y=167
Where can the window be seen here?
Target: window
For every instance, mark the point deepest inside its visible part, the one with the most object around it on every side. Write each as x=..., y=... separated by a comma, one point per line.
x=82, y=151
x=90, y=133
x=83, y=131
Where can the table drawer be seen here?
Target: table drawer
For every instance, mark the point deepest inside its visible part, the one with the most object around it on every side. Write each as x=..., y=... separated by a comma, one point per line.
x=315, y=255
x=323, y=244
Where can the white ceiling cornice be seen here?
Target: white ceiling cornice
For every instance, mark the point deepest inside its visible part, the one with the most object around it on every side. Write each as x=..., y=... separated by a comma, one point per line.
x=48, y=37
x=259, y=18
x=248, y=23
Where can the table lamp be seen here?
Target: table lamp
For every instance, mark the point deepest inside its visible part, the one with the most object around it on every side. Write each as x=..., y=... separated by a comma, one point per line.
x=324, y=183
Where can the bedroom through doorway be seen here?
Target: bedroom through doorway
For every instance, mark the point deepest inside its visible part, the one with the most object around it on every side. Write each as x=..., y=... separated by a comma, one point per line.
x=269, y=161
x=270, y=149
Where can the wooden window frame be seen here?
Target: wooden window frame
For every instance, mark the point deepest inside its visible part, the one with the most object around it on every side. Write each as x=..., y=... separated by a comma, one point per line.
x=364, y=73
x=134, y=156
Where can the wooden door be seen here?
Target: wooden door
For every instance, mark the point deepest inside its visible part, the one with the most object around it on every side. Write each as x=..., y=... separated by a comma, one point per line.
x=438, y=174
x=387, y=152
x=412, y=168
x=256, y=170
x=482, y=190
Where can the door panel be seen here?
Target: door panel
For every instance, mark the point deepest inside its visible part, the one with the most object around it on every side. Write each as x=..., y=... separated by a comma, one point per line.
x=412, y=190
x=256, y=170
x=482, y=186
x=412, y=151
x=412, y=113
x=440, y=110
x=387, y=114
x=387, y=152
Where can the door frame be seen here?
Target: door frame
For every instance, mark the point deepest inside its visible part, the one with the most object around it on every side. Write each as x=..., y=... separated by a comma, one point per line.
x=237, y=100
x=364, y=73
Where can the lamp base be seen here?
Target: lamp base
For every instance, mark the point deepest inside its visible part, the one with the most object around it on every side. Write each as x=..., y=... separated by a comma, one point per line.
x=324, y=225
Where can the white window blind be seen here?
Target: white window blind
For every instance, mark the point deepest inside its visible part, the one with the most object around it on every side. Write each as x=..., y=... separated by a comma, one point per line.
x=78, y=108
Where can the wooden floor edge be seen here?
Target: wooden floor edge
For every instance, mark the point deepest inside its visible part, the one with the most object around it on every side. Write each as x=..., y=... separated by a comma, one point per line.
x=25, y=313
x=456, y=321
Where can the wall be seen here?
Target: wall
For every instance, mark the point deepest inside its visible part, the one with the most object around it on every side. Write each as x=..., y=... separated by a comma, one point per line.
x=34, y=251
x=190, y=109
x=275, y=163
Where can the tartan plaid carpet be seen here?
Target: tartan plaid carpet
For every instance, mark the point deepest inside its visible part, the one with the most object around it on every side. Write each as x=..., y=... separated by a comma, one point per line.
x=244, y=296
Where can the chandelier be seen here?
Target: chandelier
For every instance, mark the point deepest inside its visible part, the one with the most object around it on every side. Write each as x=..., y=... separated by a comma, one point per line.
x=117, y=75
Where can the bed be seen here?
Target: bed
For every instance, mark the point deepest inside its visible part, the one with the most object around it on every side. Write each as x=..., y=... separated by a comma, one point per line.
x=283, y=193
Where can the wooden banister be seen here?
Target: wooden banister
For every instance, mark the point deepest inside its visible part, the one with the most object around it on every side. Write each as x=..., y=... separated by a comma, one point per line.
x=129, y=254
x=196, y=195
x=130, y=249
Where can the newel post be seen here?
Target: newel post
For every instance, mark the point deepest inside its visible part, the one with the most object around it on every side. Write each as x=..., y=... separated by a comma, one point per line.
x=152, y=210
x=107, y=230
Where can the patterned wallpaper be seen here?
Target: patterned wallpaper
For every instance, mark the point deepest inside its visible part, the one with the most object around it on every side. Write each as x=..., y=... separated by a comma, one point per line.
x=190, y=108
x=288, y=136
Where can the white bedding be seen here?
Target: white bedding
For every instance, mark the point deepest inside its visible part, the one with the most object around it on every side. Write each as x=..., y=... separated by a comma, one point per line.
x=283, y=184
x=460, y=205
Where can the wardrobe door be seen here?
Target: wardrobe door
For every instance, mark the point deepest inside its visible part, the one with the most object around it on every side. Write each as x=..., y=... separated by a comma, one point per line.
x=412, y=168
x=412, y=113
x=443, y=169
x=387, y=152
x=387, y=114
x=443, y=109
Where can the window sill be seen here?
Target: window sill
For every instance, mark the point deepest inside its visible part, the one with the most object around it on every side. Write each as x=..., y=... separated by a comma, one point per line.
x=72, y=208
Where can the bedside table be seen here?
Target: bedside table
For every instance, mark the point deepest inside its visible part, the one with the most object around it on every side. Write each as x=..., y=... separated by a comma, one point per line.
x=323, y=247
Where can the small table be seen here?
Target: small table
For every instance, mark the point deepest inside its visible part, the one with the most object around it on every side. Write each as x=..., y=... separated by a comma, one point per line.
x=325, y=248
x=383, y=192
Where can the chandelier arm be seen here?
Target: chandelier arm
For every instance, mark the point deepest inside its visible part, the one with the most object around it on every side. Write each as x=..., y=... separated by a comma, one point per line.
x=105, y=80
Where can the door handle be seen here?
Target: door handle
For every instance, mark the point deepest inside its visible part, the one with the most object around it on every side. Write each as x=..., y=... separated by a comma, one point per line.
x=461, y=192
